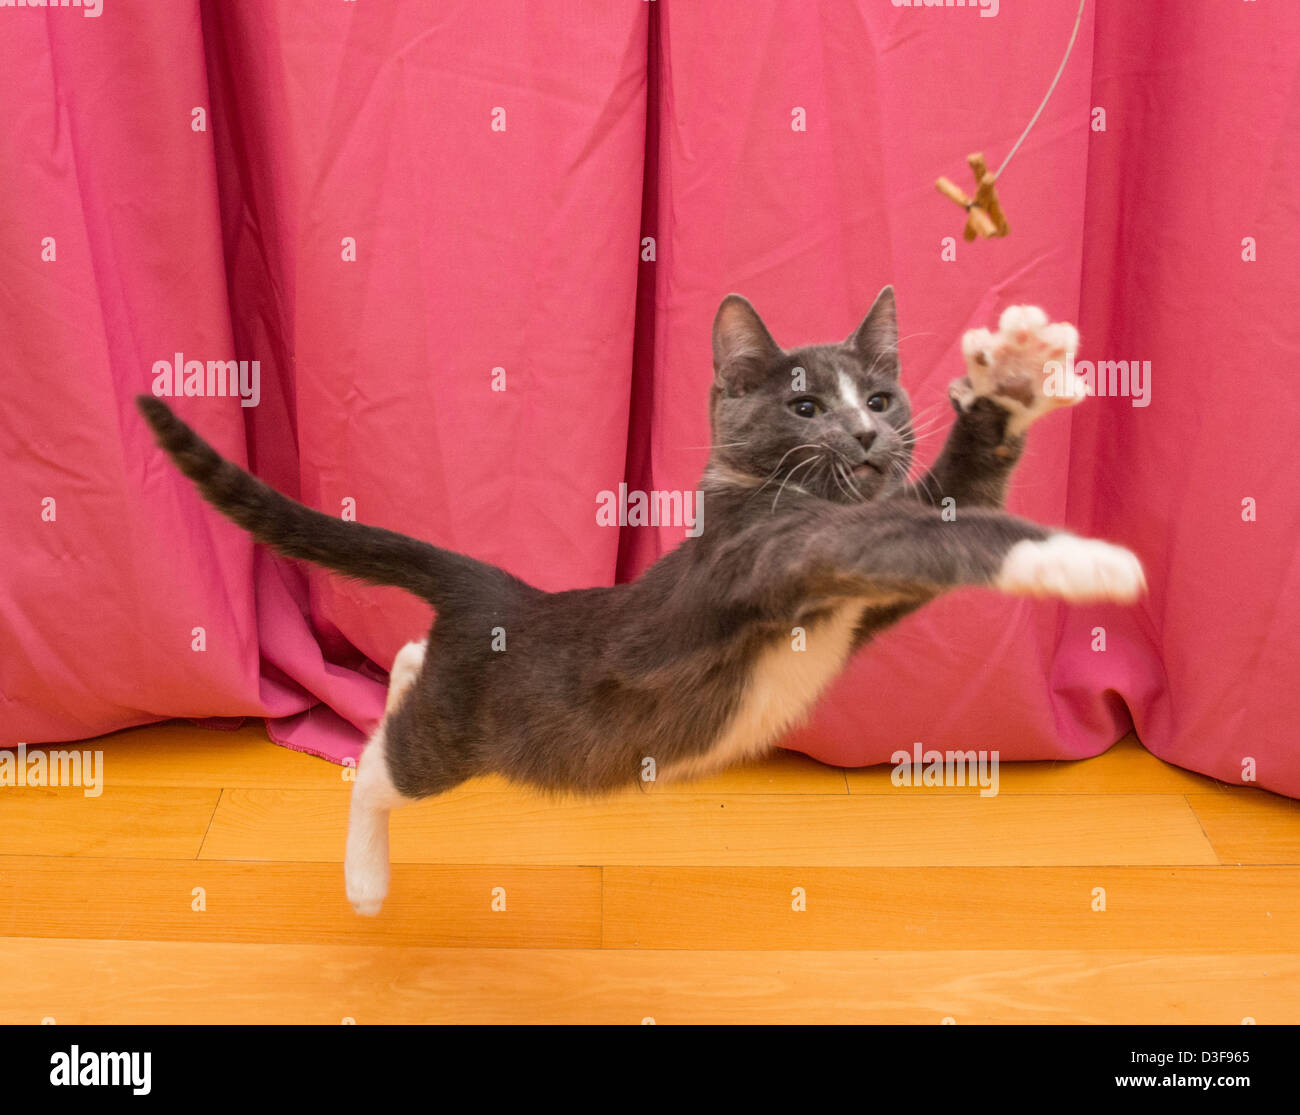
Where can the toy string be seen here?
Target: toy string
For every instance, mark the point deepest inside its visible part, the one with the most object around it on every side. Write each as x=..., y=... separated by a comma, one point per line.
x=1078, y=20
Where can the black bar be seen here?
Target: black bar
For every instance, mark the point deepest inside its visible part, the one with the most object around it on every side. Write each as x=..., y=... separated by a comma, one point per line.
x=681, y=1064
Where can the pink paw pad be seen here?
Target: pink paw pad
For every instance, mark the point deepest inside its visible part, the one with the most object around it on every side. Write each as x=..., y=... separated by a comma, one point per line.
x=1025, y=366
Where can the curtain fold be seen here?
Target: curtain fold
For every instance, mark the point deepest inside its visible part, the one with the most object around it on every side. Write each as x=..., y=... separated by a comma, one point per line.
x=473, y=252
x=421, y=222
x=1192, y=264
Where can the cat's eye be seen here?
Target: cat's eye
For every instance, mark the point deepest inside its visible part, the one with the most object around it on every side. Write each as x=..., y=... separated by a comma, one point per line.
x=806, y=408
x=879, y=402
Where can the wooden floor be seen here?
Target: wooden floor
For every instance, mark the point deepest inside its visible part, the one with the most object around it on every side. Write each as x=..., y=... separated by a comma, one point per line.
x=677, y=904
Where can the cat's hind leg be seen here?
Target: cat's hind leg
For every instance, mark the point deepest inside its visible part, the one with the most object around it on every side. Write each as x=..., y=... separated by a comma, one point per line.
x=374, y=796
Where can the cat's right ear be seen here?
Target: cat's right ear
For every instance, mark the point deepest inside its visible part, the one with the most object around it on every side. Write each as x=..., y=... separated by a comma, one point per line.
x=742, y=346
x=878, y=332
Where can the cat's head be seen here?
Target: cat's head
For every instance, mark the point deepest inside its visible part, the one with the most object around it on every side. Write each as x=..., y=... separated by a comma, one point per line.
x=830, y=420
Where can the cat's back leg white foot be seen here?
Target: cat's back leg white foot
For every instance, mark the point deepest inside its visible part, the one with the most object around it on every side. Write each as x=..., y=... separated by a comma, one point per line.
x=373, y=797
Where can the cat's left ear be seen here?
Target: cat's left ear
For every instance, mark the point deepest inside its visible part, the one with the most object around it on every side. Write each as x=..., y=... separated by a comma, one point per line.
x=876, y=339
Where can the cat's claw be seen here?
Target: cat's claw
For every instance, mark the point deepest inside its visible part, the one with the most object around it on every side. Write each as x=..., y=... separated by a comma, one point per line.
x=1023, y=367
x=1070, y=568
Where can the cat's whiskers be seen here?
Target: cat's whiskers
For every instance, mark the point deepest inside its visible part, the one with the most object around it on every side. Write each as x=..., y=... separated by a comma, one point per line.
x=852, y=489
x=919, y=435
x=921, y=429
x=924, y=482
x=790, y=474
x=927, y=333
x=840, y=463
x=777, y=471
x=823, y=472
x=899, y=470
x=926, y=424
x=832, y=468
x=720, y=445
x=932, y=412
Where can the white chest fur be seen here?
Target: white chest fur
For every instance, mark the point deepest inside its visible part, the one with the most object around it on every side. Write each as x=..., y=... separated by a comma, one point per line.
x=785, y=681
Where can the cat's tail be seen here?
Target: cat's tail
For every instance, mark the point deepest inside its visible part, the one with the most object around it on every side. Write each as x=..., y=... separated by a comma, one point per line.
x=382, y=557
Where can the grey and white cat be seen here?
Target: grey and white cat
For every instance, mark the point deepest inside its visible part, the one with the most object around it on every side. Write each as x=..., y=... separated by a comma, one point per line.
x=812, y=524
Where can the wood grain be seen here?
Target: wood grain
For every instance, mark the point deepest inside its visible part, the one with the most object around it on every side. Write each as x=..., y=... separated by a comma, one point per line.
x=1250, y=826
x=671, y=901
x=1127, y=768
x=545, y=907
x=1217, y=908
x=153, y=982
x=727, y=829
x=124, y=821
x=176, y=753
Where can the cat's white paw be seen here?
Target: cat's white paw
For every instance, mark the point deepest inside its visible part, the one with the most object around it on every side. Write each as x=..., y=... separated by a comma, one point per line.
x=365, y=863
x=1079, y=569
x=367, y=883
x=1022, y=367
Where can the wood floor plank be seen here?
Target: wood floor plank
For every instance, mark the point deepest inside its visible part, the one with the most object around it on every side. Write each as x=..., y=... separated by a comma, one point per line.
x=672, y=901
x=115, y=982
x=119, y=899
x=1218, y=908
x=782, y=772
x=1250, y=826
x=176, y=753
x=727, y=829
x=1127, y=768
x=138, y=822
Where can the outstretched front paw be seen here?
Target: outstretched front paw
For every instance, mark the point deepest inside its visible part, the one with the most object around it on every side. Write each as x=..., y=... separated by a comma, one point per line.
x=1079, y=569
x=1022, y=367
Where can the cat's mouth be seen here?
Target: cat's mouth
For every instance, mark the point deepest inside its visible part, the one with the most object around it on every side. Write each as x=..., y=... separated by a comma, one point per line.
x=866, y=468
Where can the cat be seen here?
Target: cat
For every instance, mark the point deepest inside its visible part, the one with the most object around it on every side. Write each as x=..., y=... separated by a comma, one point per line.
x=813, y=525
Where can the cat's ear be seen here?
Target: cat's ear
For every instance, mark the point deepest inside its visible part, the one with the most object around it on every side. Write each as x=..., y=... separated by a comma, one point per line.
x=742, y=346
x=876, y=339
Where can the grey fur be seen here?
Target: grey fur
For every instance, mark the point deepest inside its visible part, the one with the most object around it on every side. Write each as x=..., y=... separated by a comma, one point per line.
x=596, y=680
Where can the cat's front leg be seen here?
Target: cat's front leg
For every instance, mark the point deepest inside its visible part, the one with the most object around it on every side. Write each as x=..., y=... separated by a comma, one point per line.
x=897, y=552
x=1013, y=377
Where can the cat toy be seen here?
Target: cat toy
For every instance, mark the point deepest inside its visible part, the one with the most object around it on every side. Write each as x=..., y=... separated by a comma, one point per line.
x=984, y=215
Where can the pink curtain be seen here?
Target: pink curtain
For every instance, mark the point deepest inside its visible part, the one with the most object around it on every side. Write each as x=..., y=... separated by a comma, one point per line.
x=475, y=249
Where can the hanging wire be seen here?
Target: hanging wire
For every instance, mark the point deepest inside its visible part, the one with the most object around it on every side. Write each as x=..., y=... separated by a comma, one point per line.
x=1078, y=20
